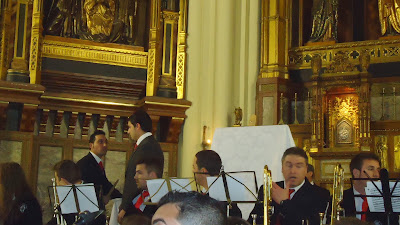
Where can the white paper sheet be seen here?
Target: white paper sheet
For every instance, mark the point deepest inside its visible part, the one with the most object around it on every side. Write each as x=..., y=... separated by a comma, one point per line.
x=158, y=187
x=376, y=204
x=236, y=190
x=69, y=206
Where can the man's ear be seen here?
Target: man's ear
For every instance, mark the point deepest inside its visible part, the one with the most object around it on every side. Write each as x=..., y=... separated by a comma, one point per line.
x=138, y=126
x=90, y=145
x=356, y=173
x=153, y=175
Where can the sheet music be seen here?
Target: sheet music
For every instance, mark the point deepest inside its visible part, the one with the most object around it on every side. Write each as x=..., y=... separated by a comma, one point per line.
x=376, y=204
x=158, y=187
x=236, y=190
x=69, y=206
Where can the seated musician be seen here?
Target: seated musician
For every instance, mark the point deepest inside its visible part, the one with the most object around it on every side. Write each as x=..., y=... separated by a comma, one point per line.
x=208, y=163
x=294, y=200
x=67, y=173
x=361, y=164
x=146, y=169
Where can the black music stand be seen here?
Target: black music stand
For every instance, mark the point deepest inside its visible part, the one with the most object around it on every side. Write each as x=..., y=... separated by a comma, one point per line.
x=77, y=199
x=228, y=177
x=386, y=193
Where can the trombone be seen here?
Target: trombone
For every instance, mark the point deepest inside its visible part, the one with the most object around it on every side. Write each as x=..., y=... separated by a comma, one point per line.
x=337, y=197
x=267, y=195
x=57, y=213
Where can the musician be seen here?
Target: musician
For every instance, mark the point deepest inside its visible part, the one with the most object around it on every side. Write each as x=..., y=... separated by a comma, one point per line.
x=310, y=177
x=208, y=163
x=362, y=164
x=140, y=126
x=146, y=169
x=92, y=166
x=294, y=199
x=66, y=172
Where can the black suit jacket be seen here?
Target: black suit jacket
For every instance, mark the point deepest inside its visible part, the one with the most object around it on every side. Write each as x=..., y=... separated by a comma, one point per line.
x=148, y=211
x=349, y=206
x=306, y=204
x=148, y=148
x=92, y=173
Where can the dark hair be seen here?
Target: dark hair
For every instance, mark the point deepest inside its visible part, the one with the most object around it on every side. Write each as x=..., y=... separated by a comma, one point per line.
x=310, y=168
x=14, y=189
x=152, y=165
x=136, y=220
x=93, y=136
x=295, y=151
x=141, y=117
x=351, y=221
x=68, y=170
x=358, y=160
x=195, y=208
x=209, y=160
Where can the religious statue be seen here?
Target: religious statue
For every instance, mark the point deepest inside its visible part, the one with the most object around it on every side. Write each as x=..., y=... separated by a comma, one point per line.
x=381, y=149
x=307, y=149
x=325, y=20
x=389, y=16
x=238, y=117
x=115, y=21
x=397, y=154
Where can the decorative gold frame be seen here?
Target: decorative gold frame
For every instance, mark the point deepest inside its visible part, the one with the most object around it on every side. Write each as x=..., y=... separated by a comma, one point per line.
x=88, y=51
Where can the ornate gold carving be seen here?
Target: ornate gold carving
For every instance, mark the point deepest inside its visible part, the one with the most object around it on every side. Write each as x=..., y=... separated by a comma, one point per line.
x=180, y=74
x=381, y=148
x=36, y=43
x=5, y=27
x=316, y=64
x=397, y=153
x=389, y=16
x=343, y=121
x=151, y=73
x=380, y=51
x=181, y=50
x=86, y=51
x=340, y=64
x=99, y=16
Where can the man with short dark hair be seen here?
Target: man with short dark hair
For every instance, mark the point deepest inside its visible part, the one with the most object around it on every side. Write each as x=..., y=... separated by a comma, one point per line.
x=188, y=208
x=92, y=166
x=208, y=163
x=295, y=200
x=362, y=164
x=140, y=127
x=67, y=172
x=146, y=169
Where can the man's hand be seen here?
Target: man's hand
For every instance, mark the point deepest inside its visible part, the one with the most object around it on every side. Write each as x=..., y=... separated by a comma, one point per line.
x=279, y=194
x=121, y=215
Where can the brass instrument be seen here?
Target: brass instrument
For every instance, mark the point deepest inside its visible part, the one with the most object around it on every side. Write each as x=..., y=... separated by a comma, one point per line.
x=338, y=183
x=57, y=213
x=267, y=195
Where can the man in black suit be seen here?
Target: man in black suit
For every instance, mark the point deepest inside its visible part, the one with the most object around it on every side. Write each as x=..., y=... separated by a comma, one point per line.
x=146, y=169
x=208, y=163
x=146, y=147
x=310, y=177
x=92, y=166
x=362, y=164
x=294, y=199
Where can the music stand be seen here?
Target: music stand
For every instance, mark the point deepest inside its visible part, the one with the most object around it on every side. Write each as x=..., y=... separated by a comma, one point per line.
x=74, y=199
x=160, y=187
x=229, y=187
x=380, y=188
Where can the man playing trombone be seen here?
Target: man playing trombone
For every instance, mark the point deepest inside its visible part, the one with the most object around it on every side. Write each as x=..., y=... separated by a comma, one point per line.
x=295, y=200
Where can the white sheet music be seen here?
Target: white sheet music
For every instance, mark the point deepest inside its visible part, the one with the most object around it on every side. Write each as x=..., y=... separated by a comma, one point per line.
x=376, y=204
x=236, y=190
x=69, y=205
x=158, y=187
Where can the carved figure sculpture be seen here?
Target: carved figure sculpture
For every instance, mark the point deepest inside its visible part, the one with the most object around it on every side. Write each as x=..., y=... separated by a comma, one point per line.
x=381, y=148
x=238, y=116
x=325, y=20
x=389, y=16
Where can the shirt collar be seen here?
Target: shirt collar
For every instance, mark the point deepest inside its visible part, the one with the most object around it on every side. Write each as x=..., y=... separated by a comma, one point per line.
x=98, y=159
x=296, y=188
x=141, y=138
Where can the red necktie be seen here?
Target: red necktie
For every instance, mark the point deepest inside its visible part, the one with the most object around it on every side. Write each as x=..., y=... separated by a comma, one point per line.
x=364, y=209
x=279, y=217
x=101, y=165
x=140, y=200
x=134, y=148
x=290, y=192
